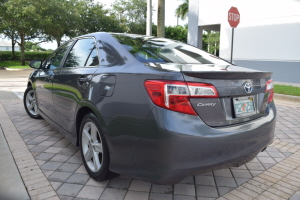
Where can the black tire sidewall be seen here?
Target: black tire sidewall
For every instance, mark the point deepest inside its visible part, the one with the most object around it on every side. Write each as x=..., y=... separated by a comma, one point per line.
x=104, y=171
x=24, y=101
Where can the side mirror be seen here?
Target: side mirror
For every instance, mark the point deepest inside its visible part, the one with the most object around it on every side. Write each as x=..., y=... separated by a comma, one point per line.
x=36, y=64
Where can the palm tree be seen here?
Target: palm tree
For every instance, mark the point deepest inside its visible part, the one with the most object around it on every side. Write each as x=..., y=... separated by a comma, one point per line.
x=161, y=18
x=182, y=10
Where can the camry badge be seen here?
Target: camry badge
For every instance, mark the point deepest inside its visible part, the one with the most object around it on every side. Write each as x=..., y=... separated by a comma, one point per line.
x=206, y=104
x=248, y=87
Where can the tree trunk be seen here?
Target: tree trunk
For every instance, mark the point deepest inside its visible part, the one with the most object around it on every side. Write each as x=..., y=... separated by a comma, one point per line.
x=58, y=41
x=13, y=46
x=149, y=18
x=22, y=49
x=161, y=18
x=215, y=48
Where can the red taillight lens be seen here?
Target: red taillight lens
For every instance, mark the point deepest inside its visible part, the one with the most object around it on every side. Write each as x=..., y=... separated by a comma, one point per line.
x=174, y=95
x=270, y=90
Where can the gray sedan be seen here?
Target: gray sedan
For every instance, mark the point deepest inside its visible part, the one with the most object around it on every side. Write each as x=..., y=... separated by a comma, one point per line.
x=152, y=108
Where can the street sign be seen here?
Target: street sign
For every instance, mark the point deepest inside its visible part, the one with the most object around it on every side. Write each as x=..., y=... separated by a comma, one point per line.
x=233, y=17
x=234, y=20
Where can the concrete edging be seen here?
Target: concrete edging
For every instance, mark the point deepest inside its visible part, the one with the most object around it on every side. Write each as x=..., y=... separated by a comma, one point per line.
x=287, y=98
x=36, y=183
x=8, y=69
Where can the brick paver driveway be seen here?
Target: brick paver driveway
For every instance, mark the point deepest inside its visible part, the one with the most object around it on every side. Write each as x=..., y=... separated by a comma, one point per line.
x=273, y=174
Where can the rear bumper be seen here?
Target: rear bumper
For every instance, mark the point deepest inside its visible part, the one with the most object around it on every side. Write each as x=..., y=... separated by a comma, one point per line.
x=183, y=145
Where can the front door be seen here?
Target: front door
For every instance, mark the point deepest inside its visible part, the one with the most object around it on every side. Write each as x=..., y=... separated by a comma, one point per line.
x=72, y=80
x=44, y=80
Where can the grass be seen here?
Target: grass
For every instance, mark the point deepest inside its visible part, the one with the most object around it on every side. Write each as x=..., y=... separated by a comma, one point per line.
x=15, y=64
x=287, y=90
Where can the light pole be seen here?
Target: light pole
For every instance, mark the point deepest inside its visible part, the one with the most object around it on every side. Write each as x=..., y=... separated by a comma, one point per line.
x=149, y=18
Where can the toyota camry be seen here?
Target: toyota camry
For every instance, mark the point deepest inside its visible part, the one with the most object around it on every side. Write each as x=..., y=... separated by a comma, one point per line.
x=151, y=108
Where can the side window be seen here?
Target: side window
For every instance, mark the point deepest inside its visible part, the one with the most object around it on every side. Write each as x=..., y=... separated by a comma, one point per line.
x=82, y=52
x=54, y=61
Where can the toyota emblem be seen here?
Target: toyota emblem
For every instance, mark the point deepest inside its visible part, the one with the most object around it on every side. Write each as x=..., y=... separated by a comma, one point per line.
x=248, y=87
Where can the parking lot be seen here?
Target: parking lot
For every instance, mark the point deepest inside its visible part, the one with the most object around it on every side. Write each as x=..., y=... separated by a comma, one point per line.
x=51, y=167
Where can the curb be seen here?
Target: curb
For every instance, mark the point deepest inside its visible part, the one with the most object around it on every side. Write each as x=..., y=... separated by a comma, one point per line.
x=287, y=98
x=8, y=69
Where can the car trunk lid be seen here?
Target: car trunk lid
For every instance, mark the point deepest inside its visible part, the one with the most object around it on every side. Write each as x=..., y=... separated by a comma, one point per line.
x=242, y=92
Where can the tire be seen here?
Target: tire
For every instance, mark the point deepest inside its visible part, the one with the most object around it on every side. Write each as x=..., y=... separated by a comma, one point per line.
x=30, y=103
x=94, y=150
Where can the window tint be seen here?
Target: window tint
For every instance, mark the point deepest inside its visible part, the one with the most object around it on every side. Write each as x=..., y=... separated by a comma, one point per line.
x=162, y=50
x=80, y=53
x=54, y=61
x=93, y=58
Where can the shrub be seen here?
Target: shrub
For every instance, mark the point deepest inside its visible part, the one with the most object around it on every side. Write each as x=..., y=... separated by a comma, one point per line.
x=31, y=55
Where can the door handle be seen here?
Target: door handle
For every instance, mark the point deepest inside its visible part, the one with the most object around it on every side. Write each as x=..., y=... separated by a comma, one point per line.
x=84, y=79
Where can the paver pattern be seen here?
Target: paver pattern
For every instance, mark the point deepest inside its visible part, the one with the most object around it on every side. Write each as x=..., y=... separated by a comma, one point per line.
x=273, y=174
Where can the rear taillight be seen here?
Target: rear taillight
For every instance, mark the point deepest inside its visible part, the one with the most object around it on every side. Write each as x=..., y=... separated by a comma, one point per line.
x=174, y=95
x=270, y=90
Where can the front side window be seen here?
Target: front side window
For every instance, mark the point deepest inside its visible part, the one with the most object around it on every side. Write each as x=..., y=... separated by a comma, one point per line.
x=55, y=59
x=160, y=50
x=82, y=54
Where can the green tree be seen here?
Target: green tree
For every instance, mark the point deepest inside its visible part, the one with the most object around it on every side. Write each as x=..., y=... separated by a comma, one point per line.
x=95, y=18
x=25, y=18
x=33, y=46
x=211, y=42
x=61, y=18
x=7, y=31
x=182, y=10
x=132, y=14
x=177, y=33
x=11, y=34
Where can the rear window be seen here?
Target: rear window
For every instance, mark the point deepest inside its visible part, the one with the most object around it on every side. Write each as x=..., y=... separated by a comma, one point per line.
x=160, y=50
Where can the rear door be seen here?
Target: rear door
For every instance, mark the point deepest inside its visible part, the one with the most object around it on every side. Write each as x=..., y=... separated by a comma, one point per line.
x=72, y=80
x=45, y=78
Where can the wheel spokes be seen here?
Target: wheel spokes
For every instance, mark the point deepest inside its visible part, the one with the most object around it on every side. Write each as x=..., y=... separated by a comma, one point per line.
x=98, y=147
x=88, y=155
x=35, y=108
x=96, y=160
x=30, y=102
x=30, y=107
x=86, y=135
x=91, y=147
x=94, y=132
x=29, y=97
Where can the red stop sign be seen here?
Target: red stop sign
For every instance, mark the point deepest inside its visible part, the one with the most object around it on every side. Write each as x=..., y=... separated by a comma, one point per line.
x=233, y=17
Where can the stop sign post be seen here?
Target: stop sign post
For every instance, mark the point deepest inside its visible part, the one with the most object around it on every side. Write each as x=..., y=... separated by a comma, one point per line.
x=234, y=20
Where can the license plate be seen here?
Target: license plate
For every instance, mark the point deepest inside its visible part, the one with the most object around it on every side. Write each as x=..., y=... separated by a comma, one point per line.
x=243, y=105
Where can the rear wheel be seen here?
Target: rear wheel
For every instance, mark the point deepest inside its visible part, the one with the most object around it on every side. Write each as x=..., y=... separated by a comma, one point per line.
x=94, y=150
x=30, y=103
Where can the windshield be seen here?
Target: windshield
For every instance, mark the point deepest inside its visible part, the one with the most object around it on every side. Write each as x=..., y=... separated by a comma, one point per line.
x=161, y=50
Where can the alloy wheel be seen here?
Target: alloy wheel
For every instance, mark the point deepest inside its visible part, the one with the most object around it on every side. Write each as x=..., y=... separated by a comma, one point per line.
x=31, y=102
x=92, y=146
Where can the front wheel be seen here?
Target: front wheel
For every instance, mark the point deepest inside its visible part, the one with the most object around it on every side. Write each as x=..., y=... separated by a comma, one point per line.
x=94, y=150
x=30, y=103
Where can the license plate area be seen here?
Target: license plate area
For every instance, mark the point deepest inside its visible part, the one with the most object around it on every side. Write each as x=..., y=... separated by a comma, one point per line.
x=243, y=106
